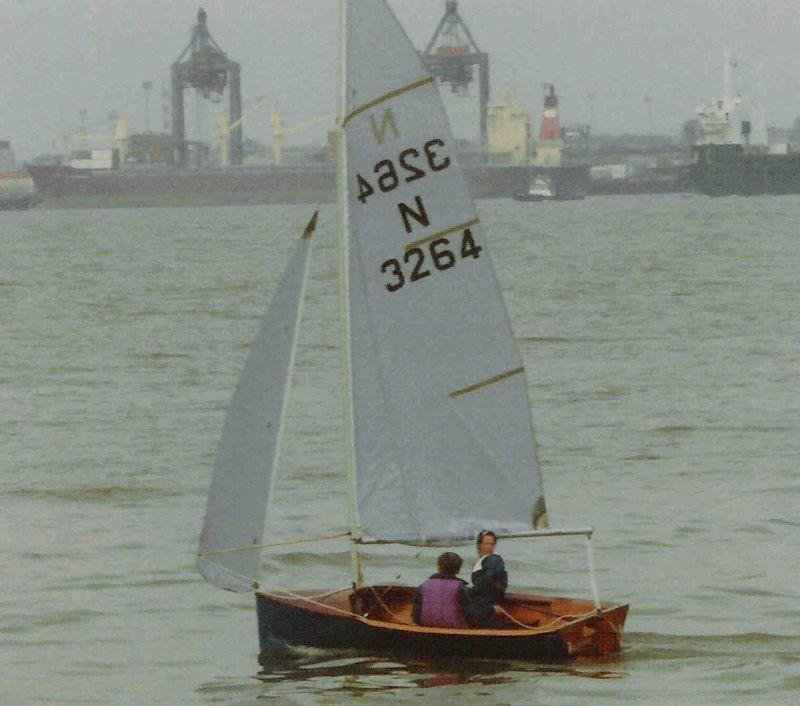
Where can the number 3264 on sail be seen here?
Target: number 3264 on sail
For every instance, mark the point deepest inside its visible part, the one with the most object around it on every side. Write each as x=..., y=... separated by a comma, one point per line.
x=439, y=253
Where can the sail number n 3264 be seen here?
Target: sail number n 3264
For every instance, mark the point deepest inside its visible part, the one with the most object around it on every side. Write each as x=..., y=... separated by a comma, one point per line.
x=418, y=262
x=409, y=160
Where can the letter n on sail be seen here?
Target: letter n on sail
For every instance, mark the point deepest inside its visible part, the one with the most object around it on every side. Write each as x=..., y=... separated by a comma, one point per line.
x=420, y=215
x=379, y=131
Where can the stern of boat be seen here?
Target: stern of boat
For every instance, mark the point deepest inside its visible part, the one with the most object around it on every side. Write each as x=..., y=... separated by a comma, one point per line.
x=596, y=636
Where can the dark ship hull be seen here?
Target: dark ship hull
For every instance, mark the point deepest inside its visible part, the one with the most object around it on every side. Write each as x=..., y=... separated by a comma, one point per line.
x=65, y=187
x=727, y=170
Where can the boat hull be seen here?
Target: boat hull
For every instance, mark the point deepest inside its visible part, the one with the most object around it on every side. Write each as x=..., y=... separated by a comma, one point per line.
x=337, y=620
x=522, y=196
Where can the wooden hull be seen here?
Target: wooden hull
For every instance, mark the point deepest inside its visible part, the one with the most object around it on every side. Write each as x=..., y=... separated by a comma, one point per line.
x=378, y=619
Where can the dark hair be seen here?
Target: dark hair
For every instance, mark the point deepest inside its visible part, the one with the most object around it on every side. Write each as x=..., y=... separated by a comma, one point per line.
x=483, y=534
x=449, y=563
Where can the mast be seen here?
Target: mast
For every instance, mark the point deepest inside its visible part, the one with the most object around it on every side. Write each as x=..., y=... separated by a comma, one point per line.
x=344, y=307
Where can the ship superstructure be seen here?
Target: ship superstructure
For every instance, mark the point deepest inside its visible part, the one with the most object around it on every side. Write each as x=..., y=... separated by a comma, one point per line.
x=732, y=119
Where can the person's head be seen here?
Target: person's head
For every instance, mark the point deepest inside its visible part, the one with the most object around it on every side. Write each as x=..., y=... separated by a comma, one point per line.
x=449, y=563
x=486, y=541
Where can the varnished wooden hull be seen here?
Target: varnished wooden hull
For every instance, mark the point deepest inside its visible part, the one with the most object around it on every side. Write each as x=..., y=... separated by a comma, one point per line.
x=377, y=619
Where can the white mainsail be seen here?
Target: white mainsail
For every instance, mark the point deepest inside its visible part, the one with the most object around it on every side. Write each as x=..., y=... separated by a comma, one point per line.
x=241, y=483
x=442, y=428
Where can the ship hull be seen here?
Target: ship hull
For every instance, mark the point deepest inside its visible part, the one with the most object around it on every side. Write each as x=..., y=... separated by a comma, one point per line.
x=728, y=170
x=64, y=187
x=377, y=619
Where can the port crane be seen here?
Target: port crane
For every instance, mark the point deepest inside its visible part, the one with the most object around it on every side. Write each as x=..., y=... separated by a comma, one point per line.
x=278, y=131
x=226, y=128
x=204, y=66
x=453, y=60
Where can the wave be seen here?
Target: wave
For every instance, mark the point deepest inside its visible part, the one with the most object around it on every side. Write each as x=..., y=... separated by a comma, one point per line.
x=643, y=646
x=98, y=494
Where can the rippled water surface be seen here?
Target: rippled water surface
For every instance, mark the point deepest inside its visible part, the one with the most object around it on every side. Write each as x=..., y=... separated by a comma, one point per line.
x=660, y=338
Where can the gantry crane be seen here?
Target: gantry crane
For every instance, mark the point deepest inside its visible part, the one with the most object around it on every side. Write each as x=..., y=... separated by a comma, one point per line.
x=209, y=70
x=452, y=61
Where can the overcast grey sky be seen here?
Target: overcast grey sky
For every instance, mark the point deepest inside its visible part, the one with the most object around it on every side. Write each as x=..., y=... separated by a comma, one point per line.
x=59, y=56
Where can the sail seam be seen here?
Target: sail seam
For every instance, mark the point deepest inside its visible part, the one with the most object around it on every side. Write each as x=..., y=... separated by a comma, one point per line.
x=386, y=97
x=486, y=383
x=442, y=233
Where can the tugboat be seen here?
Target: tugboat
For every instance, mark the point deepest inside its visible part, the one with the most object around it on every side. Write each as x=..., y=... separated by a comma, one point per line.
x=17, y=190
x=542, y=189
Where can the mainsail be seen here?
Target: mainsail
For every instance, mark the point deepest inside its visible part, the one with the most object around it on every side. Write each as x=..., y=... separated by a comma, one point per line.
x=240, y=485
x=442, y=426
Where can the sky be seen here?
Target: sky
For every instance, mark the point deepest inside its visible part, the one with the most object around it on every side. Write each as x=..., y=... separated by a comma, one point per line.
x=59, y=57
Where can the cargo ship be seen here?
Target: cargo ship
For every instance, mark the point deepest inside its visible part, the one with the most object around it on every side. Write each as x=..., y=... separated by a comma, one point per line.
x=727, y=170
x=17, y=189
x=731, y=151
x=70, y=187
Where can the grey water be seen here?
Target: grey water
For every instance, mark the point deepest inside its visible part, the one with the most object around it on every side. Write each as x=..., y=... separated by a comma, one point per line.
x=660, y=339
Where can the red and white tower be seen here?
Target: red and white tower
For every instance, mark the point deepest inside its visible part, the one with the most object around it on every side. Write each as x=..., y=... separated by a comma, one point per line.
x=549, y=144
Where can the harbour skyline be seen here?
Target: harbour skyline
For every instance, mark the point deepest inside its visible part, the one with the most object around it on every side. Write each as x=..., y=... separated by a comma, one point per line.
x=83, y=55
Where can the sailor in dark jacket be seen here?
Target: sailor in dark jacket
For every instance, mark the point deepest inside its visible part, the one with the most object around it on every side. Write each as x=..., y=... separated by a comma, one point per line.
x=489, y=580
x=443, y=600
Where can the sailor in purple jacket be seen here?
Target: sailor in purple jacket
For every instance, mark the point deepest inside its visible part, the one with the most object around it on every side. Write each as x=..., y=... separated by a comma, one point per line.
x=443, y=600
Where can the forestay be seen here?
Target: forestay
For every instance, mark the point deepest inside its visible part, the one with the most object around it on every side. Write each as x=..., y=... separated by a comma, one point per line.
x=442, y=426
x=241, y=483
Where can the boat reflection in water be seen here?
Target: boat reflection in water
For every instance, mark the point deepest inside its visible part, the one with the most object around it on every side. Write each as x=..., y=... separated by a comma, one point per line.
x=355, y=675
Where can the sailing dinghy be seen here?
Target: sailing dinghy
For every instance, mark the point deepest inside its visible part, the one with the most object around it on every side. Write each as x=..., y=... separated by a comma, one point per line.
x=438, y=424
